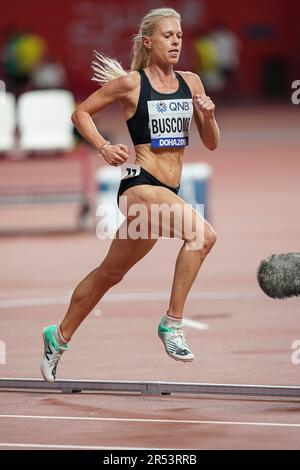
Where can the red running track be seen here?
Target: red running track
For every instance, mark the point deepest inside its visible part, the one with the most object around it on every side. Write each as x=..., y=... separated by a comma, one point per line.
x=255, y=205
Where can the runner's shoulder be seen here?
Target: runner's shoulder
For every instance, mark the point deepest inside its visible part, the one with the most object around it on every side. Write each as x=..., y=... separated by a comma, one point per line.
x=193, y=80
x=128, y=82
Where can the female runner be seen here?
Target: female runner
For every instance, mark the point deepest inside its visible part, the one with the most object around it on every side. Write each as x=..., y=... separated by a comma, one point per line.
x=157, y=104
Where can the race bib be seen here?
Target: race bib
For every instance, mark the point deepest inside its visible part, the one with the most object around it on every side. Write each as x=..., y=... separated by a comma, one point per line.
x=169, y=122
x=128, y=170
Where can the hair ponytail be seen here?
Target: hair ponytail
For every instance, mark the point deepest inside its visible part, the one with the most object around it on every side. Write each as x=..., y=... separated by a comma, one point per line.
x=106, y=69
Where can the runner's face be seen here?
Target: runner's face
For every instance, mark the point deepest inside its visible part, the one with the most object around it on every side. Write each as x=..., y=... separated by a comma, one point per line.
x=166, y=41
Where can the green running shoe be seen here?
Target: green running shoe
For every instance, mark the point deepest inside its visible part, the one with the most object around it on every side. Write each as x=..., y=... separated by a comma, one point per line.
x=174, y=341
x=52, y=353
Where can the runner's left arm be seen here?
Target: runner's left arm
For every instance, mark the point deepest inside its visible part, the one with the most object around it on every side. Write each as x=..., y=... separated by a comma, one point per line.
x=204, y=113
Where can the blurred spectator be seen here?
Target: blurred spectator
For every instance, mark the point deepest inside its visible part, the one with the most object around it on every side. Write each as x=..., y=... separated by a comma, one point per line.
x=48, y=74
x=228, y=48
x=207, y=63
x=22, y=50
x=217, y=55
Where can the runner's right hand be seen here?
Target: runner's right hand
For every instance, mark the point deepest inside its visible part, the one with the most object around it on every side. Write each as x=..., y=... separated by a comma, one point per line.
x=115, y=155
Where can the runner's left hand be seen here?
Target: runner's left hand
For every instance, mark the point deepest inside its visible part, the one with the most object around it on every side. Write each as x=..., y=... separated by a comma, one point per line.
x=205, y=104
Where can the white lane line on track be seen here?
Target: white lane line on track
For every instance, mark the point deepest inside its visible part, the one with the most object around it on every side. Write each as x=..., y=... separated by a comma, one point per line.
x=60, y=446
x=128, y=297
x=148, y=420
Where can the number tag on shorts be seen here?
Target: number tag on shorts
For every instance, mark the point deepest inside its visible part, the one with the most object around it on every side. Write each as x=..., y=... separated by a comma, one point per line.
x=129, y=170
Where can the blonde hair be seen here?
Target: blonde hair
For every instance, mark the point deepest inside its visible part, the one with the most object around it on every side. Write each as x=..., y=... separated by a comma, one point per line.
x=107, y=69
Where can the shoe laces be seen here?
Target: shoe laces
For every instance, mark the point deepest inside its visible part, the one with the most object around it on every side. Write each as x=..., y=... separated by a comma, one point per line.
x=179, y=333
x=55, y=357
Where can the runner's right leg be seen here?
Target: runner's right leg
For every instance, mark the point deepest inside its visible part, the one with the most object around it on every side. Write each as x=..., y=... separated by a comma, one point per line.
x=122, y=255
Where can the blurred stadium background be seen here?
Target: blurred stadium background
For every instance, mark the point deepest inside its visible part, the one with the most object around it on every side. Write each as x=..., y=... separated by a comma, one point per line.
x=246, y=54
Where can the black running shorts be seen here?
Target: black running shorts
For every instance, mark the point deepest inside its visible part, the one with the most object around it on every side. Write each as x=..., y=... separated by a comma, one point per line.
x=143, y=178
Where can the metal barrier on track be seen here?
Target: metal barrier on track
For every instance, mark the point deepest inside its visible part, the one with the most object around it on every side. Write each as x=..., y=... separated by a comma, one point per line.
x=150, y=388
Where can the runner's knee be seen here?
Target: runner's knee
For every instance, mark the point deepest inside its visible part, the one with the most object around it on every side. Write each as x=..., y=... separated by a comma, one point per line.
x=210, y=239
x=112, y=275
x=202, y=242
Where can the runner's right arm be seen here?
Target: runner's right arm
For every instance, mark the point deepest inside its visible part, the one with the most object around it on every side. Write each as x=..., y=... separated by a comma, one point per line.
x=112, y=91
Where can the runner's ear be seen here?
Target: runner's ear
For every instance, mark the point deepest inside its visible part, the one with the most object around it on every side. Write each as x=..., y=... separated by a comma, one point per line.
x=147, y=43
